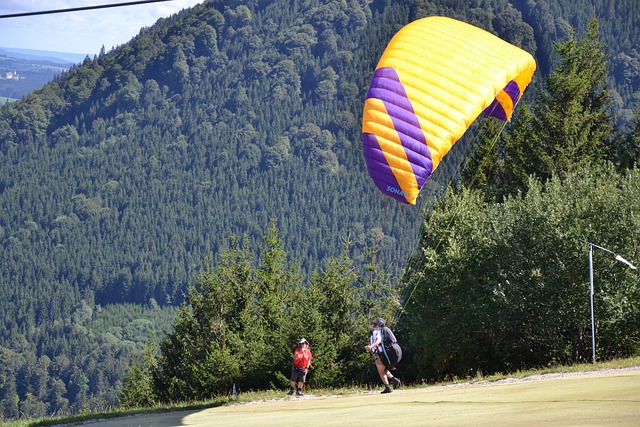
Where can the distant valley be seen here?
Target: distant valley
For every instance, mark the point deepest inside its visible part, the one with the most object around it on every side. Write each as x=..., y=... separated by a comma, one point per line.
x=24, y=70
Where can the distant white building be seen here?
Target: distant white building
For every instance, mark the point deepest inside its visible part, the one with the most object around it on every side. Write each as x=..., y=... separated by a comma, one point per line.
x=12, y=75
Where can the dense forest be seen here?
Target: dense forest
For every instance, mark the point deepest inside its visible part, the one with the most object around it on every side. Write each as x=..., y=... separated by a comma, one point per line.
x=124, y=177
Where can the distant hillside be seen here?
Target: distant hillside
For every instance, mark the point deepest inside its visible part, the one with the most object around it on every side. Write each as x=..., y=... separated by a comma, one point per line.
x=65, y=59
x=22, y=70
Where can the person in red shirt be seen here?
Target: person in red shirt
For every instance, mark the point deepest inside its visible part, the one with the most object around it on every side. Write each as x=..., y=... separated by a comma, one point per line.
x=301, y=362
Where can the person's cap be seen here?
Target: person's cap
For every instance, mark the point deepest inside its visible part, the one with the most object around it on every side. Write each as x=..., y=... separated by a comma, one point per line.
x=303, y=341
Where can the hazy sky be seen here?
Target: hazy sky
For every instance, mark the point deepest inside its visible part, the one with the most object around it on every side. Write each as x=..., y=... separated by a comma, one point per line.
x=79, y=32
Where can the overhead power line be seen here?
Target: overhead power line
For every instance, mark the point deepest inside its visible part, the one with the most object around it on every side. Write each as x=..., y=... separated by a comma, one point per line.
x=76, y=9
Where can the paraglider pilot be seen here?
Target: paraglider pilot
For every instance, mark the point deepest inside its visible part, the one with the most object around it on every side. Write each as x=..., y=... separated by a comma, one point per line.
x=375, y=346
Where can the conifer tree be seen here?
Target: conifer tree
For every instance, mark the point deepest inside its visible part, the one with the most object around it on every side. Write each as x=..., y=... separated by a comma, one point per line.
x=571, y=125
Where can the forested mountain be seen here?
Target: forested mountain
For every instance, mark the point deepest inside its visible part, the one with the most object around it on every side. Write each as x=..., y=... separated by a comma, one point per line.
x=121, y=176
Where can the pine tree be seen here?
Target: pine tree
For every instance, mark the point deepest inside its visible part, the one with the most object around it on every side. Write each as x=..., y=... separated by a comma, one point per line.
x=571, y=125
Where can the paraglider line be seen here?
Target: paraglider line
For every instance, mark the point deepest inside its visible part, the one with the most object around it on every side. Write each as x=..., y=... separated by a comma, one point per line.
x=77, y=9
x=409, y=290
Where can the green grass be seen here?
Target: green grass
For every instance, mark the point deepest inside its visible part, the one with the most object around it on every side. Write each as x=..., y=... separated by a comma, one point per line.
x=278, y=394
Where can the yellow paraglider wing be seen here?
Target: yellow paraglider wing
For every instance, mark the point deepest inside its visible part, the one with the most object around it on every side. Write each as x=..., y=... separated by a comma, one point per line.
x=436, y=76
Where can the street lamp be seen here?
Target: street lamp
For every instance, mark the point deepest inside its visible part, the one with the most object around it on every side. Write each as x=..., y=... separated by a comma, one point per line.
x=593, y=327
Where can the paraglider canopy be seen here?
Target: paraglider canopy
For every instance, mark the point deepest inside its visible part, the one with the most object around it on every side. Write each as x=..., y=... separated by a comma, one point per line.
x=436, y=76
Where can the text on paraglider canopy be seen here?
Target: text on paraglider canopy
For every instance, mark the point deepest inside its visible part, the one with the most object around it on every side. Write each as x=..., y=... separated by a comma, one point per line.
x=395, y=190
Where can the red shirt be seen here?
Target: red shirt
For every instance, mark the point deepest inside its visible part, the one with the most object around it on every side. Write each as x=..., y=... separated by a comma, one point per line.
x=304, y=361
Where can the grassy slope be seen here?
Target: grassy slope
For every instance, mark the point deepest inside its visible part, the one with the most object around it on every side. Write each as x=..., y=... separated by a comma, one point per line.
x=606, y=399
x=555, y=396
